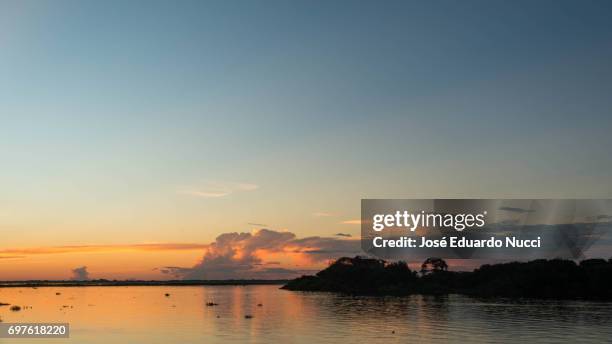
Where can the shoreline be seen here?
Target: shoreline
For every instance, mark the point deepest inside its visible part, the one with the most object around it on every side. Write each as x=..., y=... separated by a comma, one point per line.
x=540, y=278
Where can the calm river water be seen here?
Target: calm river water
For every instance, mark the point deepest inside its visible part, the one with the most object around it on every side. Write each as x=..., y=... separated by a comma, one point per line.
x=145, y=315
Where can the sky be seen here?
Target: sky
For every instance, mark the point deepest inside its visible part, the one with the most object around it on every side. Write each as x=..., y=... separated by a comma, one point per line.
x=169, y=124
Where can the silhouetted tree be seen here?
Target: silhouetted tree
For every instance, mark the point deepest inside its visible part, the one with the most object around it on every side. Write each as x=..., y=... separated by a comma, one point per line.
x=433, y=264
x=541, y=278
x=360, y=275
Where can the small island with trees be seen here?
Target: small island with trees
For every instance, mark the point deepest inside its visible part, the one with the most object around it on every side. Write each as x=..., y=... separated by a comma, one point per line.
x=556, y=278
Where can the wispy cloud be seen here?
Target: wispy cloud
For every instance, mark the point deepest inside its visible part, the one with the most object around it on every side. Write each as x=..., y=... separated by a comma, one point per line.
x=205, y=194
x=351, y=222
x=517, y=210
x=217, y=189
x=26, y=251
x=346, y=235
x=322, y=214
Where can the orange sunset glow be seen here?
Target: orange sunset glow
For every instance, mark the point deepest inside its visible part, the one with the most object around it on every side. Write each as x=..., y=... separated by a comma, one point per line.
x=299, y=172
x=253, y=253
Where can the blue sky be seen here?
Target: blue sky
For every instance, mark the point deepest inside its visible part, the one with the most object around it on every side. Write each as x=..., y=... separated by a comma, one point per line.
x=119, y=119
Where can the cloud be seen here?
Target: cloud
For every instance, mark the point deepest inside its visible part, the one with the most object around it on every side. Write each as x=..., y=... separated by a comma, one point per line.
x=352, y=222
x=511, y=222
x=322, y=249
x=80, y=274
x=25, y=251
x=346, y=235
x=322, y=214
x=517, y=210
x=282, y=273
x=256, y=224
x=217, y=189
x=205, y=194
x=175, y=271
x=242, y=255
x=235, y=255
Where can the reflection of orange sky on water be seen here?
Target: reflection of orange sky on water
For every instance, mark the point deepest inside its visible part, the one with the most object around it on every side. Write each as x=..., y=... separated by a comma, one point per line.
x=100, y=311
x=101, y=307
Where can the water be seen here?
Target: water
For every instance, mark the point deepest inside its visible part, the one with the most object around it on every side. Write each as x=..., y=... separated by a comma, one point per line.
x=145, y=315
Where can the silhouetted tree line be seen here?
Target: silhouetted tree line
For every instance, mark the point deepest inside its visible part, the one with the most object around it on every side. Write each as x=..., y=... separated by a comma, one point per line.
x=542, y=278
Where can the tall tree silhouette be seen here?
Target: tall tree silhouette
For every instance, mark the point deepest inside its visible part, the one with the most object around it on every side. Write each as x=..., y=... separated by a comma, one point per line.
x=433, y=264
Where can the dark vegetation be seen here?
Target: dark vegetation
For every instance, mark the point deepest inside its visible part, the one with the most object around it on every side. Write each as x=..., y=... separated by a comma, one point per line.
x=560, y=279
